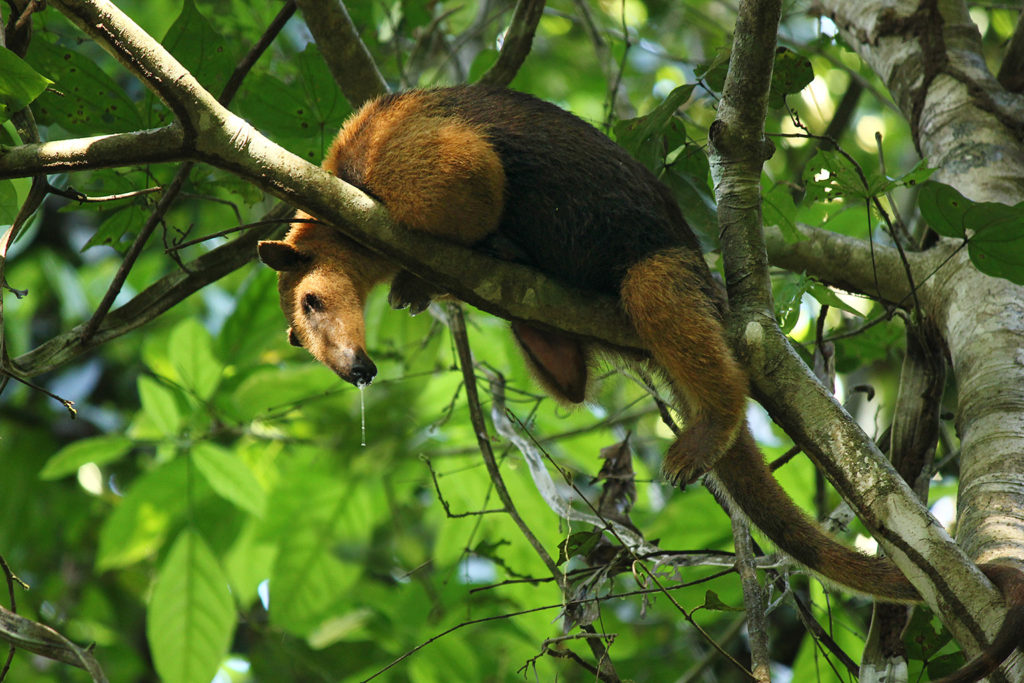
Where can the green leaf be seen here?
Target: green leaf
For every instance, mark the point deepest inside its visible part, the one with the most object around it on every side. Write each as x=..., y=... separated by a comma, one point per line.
x=307, y=581
x=115, y=225
x=256, y=308
x=943, y=208
x=579, y=543
x=139, y=524
x=482, y=63
x=995, y=232
x=303, y=116
x=871, y=345
x=713, y=73
x=249, y=562
x=915, y=176
x=997, y=247
x=160, y=405
x=200, y=48
x=83, y=100
x=831, y=175
x=944, y=665
x=191, y=615
x=921, y=637
x=8, y=202
x=687, y=178
x=229, y=477
x=788, y=292
x=272, y=389
x=190, y=349
x=642, y=137
x=98, y=450
x=417, y=12
x=828, y=297
x=791, y=74
x=778, y=208
x=714, y=603
x=20, y=84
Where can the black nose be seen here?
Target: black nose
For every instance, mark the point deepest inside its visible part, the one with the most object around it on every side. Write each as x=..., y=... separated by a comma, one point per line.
x=363, y=370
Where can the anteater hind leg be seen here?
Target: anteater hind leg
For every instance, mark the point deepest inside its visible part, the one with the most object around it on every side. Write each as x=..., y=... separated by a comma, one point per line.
x=666, y=297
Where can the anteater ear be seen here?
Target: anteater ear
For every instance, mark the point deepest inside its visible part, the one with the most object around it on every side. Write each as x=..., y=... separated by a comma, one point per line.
x=280, y=255
x=293, y=338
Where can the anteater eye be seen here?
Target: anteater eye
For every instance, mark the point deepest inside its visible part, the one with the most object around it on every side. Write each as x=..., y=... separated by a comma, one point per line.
x=310, y=303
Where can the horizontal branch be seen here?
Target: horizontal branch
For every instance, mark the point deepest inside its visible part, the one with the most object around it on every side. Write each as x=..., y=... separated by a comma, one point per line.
x=42, y=640
x=869, y=269
x=102, y=151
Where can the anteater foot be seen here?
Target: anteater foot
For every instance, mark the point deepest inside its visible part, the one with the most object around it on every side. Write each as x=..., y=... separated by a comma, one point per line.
x=409, y=291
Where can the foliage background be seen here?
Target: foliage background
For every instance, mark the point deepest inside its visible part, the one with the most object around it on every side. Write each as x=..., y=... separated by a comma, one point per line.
x=203, y=439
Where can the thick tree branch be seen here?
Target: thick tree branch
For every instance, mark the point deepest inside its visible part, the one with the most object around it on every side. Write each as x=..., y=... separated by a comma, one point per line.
x=739, y=149
x=783, y=383
x=102, y=151
x=871, y=270
x=967, y=126
x=517, y=43
x=346, y=55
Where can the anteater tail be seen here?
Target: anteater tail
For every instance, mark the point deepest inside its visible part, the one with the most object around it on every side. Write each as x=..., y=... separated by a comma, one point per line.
x=744, y=476
x=670, y=298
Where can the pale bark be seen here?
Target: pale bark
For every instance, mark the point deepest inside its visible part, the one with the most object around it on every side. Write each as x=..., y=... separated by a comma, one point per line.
x=964, y=124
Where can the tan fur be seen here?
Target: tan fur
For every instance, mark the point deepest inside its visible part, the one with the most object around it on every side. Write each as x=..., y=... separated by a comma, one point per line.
x=452, y=186
x=441, y=175
x=341, y=273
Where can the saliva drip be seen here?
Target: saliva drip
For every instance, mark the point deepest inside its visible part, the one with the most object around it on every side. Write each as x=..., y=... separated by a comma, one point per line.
x=362, y=411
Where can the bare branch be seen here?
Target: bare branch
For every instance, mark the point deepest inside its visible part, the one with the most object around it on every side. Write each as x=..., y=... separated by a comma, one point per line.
x=42, y=640
x=753, y=598
x=783, y=383
x=343, y=50
x=102, y=151
x=516, y=46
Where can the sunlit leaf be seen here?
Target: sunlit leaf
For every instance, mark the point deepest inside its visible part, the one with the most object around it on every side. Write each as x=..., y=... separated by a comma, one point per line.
x=98, y=450
x=160, y=405
x=138, y=525
x=229, y=477
x=307, y=580
x=190, y=615
x=791, y=74
x=191, y=352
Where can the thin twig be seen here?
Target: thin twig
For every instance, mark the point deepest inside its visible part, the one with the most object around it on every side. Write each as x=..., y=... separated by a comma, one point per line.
x=457, y=324
x=613, y=529
x=753, y=598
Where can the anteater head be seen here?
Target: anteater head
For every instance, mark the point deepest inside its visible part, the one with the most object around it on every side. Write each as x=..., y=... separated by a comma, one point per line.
x=323, y=280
